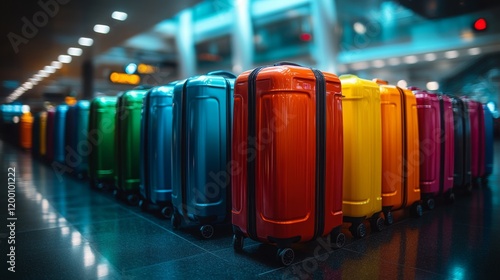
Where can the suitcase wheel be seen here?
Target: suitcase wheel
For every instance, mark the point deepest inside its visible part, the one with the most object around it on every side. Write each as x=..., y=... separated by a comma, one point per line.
x=285, y=256
x=417, y=210
x=238, y=242
x=377, y=223
x=339, y=239
x=358, y=230
x=207, y=231
x=143, y=205
x=166, y=212
x=389, y=219
x=132, y=199
x=175, y=221
x=451, y=197
x=430, y=203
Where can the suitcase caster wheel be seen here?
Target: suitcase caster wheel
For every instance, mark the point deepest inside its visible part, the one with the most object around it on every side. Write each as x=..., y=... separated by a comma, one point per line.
x=207, y=231
x=451, y=198
x=417, y=211
x=430, y=203
x=377, y=223
x=175, y=221
x=339, y=239
x=358, y=230
x=99, y=186
x=166, y=212
x=285, y=256
x=132, y=199
x=389, y=219
x=468, y=188
x=143, y=205
x=238, y=243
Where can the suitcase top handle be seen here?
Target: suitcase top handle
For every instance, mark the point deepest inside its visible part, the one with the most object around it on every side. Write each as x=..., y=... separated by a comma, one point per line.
x=223, y=73
x=287, y=63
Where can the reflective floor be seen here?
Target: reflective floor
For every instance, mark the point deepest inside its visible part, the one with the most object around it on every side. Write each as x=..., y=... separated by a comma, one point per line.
x=65, y=230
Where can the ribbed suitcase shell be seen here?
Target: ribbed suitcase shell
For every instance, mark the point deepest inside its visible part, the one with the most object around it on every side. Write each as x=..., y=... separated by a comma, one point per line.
x=25, y=131
x=362, y=193
x=488, y=144
x=101, y=136
x=400, y=150
x=127, y=143
x=462, y=178
x=285, y=200
x=77, y=145
x=59, y=133
x=201, y=130
x=156, y=153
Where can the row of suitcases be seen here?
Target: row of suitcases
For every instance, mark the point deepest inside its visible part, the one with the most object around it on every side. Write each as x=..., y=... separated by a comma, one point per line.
x=285, y=153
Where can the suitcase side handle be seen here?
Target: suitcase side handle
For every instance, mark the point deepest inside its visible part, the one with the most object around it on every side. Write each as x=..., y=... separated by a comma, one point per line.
x=287, y=63
x=223, y=73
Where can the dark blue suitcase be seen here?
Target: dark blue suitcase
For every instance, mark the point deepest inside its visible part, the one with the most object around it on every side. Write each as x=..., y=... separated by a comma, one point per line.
x=155, y=153
x=201, y=145
x=77, y=145
x=462, y=177
x=488, y=145
x=59, y=132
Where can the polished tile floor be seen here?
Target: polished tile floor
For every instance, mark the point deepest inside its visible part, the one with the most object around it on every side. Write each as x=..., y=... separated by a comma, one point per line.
x=65, y=230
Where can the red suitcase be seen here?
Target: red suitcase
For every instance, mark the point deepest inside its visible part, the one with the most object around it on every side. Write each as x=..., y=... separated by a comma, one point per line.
x=287, y=156
x=476, y=117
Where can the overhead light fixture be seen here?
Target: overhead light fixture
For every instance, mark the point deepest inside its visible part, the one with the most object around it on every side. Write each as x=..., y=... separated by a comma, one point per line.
x=86, y=42
x=43, y=74
x=63, y=58
x=402, y=84
x=432, y=85
x=28, y=85
x=34, y=81
x=121, y=16
x=75, y=51
x=474, y=51
x=101, y=28
x=430, y=56
x=131, y=68
x=379, y=63
x=56, y=64
x=411, y=59
x=451, y=54
x=359, y=28
x=49, y=69
x=394, y=61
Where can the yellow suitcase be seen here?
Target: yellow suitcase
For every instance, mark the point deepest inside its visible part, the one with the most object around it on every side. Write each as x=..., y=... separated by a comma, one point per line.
x=362, y=192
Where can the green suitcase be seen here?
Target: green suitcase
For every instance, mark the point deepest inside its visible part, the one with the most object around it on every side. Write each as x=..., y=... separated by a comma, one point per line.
x=127, y=145
x=101, y=137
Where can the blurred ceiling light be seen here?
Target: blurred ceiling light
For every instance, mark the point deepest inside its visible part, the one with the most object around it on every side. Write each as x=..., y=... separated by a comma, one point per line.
x=64, y=58
x=84, y=41
x=34, y=81
x=410, y=59
x=360, y=65
x=101, y=28
x=131, y=68
x=43, y=74
x=56, y=64
x=379, y=63
x=28, y=85
x=451, y=54
x=394, y=61
x=359, y=27
x=121, y=16
x=430, y=56
x=474, y=51
x=49, y=69
x=75, y=51
x=25, y=108
x=432, y=85
x=402, y=84
x=491, y=105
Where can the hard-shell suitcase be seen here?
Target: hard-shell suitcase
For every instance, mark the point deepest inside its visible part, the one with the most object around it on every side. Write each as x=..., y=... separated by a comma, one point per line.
x=77, y=146
x=462, y=179
x=155, y=150
x=488, y=145
x=287, y=157
x=476, y=115
x=447, y=147
x=25, y=131
x=201, y=142
x=101, y=137
x=362, y=192
x=59, y=132
x=400, y=151
x=127, y=144
x=43, y=134
x=35, y=136
x=49, y=135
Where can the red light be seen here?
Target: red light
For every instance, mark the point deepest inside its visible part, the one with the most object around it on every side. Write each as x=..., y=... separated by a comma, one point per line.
x=305, y=37
x=480, y=24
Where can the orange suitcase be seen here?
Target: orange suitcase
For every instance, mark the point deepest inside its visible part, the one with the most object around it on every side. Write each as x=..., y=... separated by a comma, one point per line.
x=400, y=151
x=287, y=157
x=25, y=131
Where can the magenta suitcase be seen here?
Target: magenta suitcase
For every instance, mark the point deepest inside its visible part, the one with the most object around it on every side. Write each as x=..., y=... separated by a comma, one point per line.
x=447, y=146
x=432, y=129
x=49, y=136
x=476, y=115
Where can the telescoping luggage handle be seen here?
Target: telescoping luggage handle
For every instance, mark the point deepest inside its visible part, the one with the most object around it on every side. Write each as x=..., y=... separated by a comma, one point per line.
x=320, y=149
x=223, y=73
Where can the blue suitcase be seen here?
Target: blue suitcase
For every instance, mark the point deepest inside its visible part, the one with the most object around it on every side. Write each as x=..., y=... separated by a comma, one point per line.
x=59, y=132
x=155, y=153
x=77, y=146
x=488, y=145
x=201, y=145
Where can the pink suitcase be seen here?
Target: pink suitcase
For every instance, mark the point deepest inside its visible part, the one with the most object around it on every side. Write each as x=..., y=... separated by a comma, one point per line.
x=447, y=146
x=477, y=138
